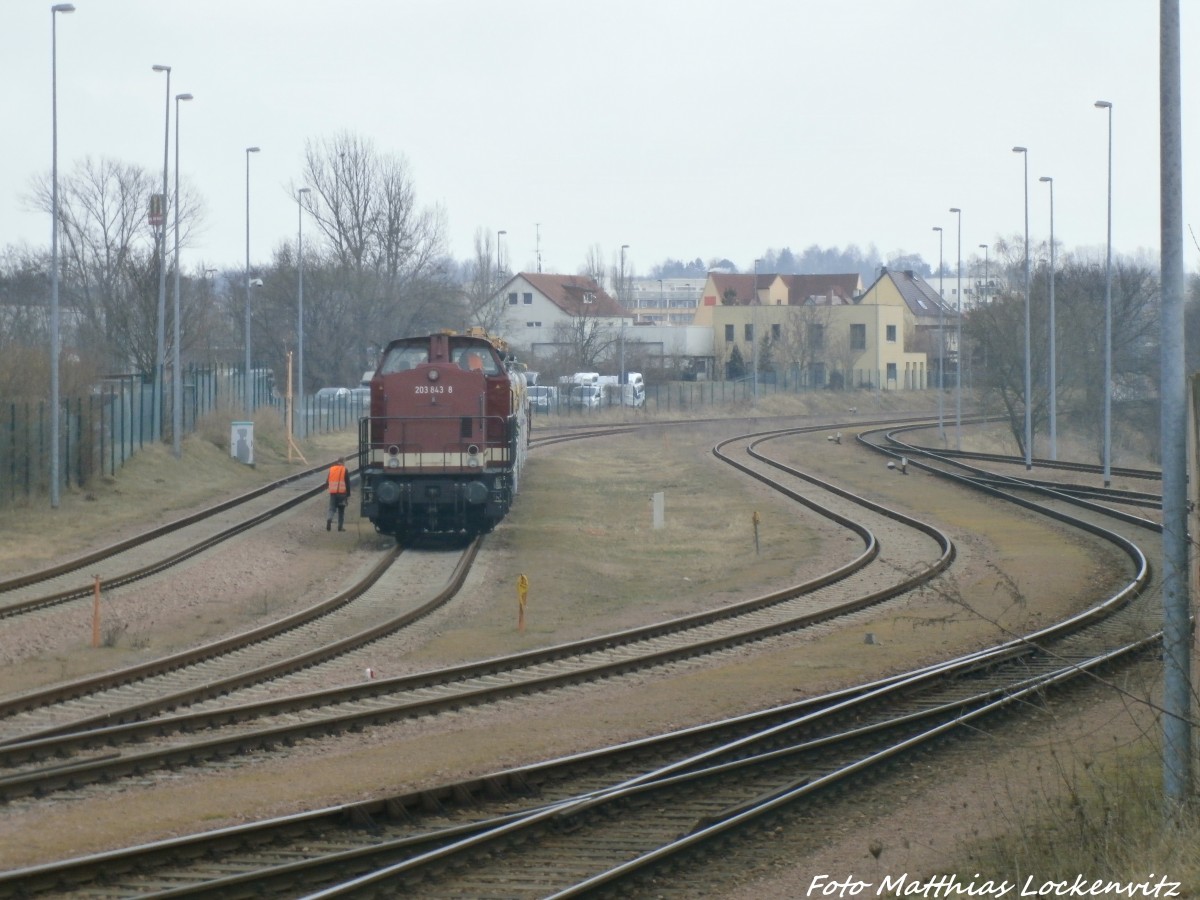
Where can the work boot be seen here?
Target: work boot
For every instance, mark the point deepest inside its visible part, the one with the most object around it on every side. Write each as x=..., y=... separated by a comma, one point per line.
x=340, y=528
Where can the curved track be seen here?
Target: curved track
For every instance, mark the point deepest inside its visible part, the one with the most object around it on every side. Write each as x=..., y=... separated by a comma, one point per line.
x=709, y=783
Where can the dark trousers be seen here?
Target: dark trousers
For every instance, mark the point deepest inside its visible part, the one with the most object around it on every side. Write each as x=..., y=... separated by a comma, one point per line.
x=337, y=504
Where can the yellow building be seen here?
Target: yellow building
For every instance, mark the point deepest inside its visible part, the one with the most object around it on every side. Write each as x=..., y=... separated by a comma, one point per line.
x=821, y=333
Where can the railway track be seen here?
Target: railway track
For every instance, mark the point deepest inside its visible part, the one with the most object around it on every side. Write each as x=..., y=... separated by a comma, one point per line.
x=155, y=550
x=630, y=818
x=655, y=787
x=225, y=718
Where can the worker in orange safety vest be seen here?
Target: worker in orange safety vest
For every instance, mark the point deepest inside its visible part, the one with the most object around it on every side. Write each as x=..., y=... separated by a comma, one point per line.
x=338, y=483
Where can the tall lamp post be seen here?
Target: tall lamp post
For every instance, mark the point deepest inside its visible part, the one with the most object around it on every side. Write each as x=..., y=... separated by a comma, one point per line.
x=986, y=289
x=1053, y=352
x=984, y=248
x=958, y=340
x=249, y=387
x=1105, y=104
x=1028, y=371
x=160, y=331
x=754, y=326
x=300, y=192
x=941, y=339
x=55, y=427
x=623, y=294
x=499, y=255
x=176, y=379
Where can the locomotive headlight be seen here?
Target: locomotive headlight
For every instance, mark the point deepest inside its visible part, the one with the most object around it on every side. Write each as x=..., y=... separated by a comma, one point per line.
x=393, y=457
x=433, y=375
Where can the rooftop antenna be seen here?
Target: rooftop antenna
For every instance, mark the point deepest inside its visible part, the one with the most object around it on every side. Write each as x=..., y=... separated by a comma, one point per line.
x=538, y=227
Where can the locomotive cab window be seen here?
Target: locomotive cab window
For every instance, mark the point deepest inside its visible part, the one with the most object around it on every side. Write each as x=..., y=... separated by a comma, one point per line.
x=401, y=359
x=475, y=359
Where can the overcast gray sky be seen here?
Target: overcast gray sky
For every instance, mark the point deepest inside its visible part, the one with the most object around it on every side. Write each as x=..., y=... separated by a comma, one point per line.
x=682, y=128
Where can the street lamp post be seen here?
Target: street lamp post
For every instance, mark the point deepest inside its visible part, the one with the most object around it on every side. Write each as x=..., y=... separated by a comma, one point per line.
x=958, y=341
x=754, y=326
x=300, y=192
x=984, y=248
x=986, y=288
x=176, y=379
x=249, y=387
x=499, y=256
x=622, y=298
x=1028, y=370
x=1053, y=352
x=55, y=427
x=941, y=339
x=160, y=352
x=1105, y=104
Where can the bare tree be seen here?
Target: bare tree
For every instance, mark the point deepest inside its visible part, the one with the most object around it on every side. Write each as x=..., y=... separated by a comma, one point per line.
x=594, y=266
x=583, y=342
x=482, y=281
x=842, y=355
x=364, y=203
x=801, y=343
x=386, y=273
x=110, y=259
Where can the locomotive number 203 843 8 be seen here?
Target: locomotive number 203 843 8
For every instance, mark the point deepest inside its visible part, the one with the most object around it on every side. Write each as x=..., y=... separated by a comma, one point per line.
x=433, y=389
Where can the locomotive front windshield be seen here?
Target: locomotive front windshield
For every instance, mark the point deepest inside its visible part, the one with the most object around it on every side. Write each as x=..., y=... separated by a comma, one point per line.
x=401, y=359
x=471, y=357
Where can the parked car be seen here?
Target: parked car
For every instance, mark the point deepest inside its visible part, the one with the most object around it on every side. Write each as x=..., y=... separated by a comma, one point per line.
x=328, y=396
x=543, y=397
x=587, y=396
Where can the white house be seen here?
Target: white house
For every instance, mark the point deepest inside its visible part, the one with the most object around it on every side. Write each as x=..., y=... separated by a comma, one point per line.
x=535, y=303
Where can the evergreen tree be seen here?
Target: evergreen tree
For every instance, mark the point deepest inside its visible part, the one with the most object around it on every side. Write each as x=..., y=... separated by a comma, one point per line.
x=736, y=367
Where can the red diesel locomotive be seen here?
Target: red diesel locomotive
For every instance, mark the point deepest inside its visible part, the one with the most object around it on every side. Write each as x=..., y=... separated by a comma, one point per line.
x=443, y=447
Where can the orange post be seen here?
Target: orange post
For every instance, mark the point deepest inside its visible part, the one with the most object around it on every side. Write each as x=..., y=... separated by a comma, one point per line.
x=522, y=594
x=96, y=612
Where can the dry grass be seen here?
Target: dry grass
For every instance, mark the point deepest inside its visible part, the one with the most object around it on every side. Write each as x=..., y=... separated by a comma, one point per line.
x=582, y=534
x=152, y=488
x=1093, y=808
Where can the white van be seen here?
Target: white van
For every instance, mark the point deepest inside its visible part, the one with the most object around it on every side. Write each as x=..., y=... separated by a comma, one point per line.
x=586, y=396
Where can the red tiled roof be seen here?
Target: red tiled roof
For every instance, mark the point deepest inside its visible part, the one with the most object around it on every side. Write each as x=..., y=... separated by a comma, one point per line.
x=803, y=287
x=742, y=285
x=570, y=292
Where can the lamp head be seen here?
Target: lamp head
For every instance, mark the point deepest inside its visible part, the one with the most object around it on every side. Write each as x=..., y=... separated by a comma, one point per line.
x=63, y=7
x=983, y=246
x=251, y=149
x=937, y=227
x=1019, y=150
x=183, y=97
x=1046, y=178
x=1103, y=104
x=161, y=68
x=955, y=209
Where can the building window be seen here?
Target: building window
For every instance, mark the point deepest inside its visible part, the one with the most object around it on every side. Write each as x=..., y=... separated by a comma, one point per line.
x=816, y=336
x=891, y=373
x=728, y=334
x=533, y=324
x=749, y=332
x=527, y=298
x=891, y=334
x=589, y=297
x=512, y=299
x=776, y=332
x=858, y=337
